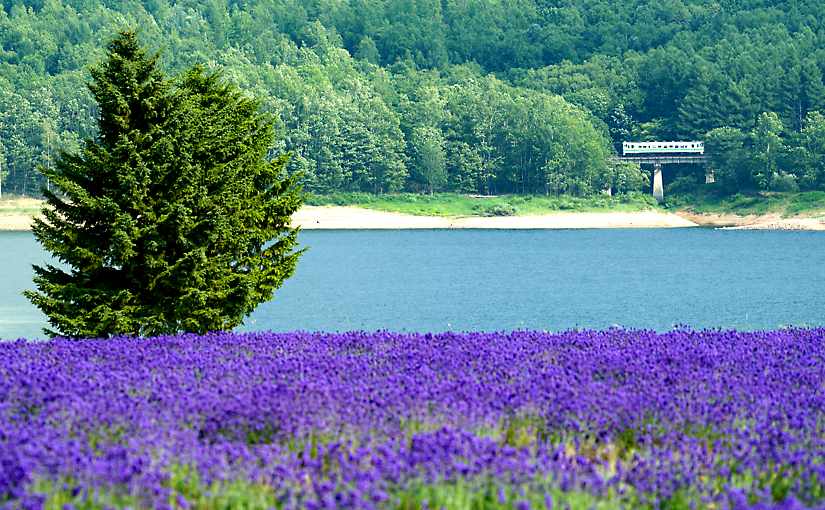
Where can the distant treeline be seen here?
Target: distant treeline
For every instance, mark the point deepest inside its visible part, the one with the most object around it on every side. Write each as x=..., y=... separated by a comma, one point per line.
x=480, y=96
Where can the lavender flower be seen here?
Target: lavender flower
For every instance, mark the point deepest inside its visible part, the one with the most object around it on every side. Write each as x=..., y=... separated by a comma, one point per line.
x=369, y=420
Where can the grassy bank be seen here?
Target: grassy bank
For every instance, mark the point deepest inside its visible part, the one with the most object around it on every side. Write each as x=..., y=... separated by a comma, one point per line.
x=12, y=204
x=808, y=203
x=453, y=204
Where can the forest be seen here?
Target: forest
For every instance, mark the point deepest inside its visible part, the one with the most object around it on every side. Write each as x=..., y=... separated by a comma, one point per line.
x=468, y=96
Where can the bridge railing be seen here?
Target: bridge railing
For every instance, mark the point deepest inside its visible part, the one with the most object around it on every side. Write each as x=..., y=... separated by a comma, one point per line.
x=663, y=159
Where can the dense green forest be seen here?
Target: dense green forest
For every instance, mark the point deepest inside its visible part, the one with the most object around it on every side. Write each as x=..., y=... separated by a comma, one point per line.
x=477, y=96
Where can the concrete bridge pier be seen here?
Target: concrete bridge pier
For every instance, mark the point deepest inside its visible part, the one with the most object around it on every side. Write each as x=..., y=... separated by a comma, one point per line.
x=658, y=189
x=710, y=177
x=658, y=160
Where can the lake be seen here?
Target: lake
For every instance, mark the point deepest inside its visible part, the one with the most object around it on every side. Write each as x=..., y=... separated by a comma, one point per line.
x=437, y=280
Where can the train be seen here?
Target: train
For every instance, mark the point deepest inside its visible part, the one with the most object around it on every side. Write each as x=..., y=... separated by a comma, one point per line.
x=692, y=147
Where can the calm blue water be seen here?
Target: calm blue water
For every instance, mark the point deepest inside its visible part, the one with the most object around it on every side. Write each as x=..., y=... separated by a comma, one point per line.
x=501, y=280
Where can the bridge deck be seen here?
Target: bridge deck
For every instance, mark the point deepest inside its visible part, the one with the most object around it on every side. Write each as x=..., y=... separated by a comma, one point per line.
x=663, y=159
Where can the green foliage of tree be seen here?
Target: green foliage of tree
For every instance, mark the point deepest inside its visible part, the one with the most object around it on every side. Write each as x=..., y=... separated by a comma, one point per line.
x=172, y=218
x=729, y=159
x=367, y=50
x=627, y=178
x=428, y=144
x=643, y=69
x=811, y=161
x=767, y=145
x=758, y=160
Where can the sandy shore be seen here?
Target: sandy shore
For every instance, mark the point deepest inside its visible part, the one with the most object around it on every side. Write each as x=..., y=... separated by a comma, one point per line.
x=18, y=216
x=15, y=222
x=356, y=218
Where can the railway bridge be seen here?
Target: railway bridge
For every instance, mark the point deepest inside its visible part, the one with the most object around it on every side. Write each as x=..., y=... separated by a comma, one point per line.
x=655, y=155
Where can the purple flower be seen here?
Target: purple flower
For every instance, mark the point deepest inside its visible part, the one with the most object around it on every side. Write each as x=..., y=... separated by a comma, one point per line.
x=353, y=420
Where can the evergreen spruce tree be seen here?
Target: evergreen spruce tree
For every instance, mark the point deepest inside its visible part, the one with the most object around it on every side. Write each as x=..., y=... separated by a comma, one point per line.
x=172, y=219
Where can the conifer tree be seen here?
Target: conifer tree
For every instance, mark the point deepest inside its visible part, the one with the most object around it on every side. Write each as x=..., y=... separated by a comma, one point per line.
x=173, y=218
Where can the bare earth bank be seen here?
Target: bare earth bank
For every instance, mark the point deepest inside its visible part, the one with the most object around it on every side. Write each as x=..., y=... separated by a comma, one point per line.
x=756, y=222
x=17, y=215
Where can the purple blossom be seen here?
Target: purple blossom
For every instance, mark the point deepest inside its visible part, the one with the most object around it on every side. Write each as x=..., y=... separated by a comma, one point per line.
x=353, y=420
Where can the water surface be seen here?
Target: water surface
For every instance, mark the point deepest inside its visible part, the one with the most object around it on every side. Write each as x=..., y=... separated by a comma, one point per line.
x=437, y=280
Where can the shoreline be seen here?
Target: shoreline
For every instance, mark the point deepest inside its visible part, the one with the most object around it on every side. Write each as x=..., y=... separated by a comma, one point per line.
x=770, y=221
x=357, y=218
x=347, y=217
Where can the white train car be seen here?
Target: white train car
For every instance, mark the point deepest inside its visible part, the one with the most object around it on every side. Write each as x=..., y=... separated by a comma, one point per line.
x=693, y=147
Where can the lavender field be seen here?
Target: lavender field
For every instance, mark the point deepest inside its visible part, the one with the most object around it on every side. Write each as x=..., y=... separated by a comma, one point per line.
x=589, y=419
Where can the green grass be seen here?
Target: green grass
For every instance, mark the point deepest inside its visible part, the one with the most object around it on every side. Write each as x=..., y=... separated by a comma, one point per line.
x=484, y=493
x=807, y=203
x=184, y=483
x=478, y=493
x=187, y=490
x=457, y=205
x=489, y=494
x=12, y=204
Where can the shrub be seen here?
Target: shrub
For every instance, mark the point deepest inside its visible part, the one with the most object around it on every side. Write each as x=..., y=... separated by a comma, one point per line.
x=500, y=210
x=784, y=182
